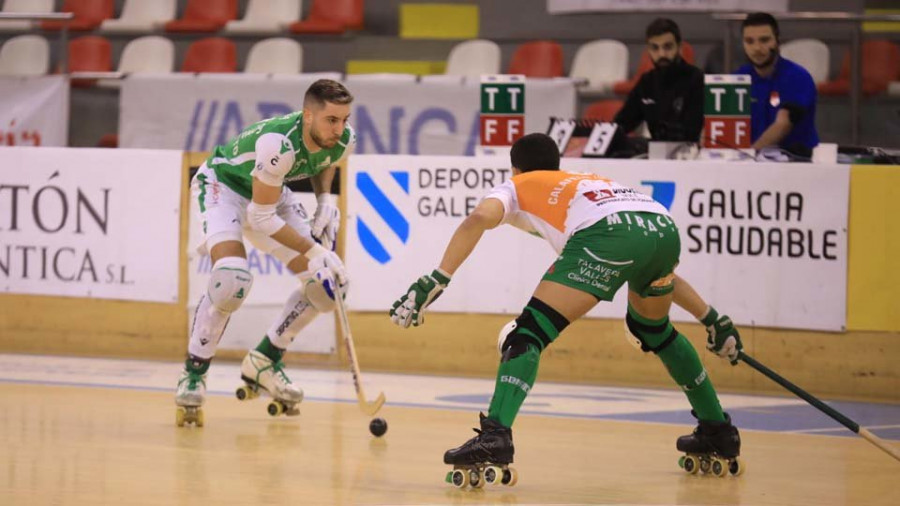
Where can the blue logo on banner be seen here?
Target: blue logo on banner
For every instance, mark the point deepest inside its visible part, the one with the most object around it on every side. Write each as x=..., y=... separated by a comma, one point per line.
x=663, y=192
x=386, y=210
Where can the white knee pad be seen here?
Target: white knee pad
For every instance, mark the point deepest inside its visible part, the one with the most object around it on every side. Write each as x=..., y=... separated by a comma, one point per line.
x=319, y=290
x=229, y=283
x=504, y=333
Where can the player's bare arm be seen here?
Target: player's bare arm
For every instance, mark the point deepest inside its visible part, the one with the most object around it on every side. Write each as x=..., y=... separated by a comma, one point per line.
x=688, y=299
x=264, y=200
x=487, y=215
x=410, y=308
x=321, y=182
x=722, y=337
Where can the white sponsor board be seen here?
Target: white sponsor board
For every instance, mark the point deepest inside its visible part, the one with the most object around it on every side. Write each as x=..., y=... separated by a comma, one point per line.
x=438, y=117
x=765, y=243
x=273, y=282
x=34, y=111
x=100, y=223
x=576, y=6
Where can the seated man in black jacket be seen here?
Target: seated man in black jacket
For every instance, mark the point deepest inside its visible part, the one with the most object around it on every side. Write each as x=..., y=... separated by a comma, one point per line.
x=669, y=97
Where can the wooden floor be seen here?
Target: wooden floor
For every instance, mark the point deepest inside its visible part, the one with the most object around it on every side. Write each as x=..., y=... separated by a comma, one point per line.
x=90, y=445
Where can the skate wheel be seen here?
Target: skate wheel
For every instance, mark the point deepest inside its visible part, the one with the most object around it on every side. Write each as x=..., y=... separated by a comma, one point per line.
x=705, y=465
x=493, y=475
x=198, y=420
x=735, y=467
x=476, y=478
x=241, y=393
x=179, y=417
x=510, y=477
x=275, y=408
x=459, y=478
x=718, y=467
x=691, y=465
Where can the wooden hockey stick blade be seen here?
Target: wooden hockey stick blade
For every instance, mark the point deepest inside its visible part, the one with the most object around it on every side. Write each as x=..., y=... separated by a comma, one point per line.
x=370, y=408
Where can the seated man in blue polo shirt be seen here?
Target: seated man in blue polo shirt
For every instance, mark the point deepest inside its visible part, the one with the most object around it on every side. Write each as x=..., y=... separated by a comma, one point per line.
x=783, y=94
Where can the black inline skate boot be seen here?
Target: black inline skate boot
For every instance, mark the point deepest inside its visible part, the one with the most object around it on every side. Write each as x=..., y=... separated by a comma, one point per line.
x=483, y=459
x=712, y=447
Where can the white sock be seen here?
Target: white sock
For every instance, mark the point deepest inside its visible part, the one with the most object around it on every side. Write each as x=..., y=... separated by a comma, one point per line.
x=297, y=313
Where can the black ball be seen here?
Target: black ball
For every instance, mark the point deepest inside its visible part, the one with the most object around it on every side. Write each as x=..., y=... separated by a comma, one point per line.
x=378, y=427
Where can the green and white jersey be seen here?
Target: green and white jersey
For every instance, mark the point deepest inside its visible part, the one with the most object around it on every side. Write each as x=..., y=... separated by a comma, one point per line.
x=278, y=141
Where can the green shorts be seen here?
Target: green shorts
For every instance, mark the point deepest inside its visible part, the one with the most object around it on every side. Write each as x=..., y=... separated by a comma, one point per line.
x=638, y=247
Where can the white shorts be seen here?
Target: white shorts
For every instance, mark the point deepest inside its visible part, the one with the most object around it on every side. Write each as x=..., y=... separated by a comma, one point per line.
x=224, y=215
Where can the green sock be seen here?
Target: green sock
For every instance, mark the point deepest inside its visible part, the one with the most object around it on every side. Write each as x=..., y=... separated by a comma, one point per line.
x=540, y=325
x=515, y=378
x=196, y=365
x=684, y=366
x=270, y=350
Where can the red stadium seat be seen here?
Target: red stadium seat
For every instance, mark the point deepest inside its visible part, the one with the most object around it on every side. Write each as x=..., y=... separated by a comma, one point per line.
x=90, y=53
x=541, y=58
x=331, y=17
x=204, y=16
x=646, y=65
x=88, y=14
x=213, y=54
x=880, y=66
x=603, y=110
x=108, y=141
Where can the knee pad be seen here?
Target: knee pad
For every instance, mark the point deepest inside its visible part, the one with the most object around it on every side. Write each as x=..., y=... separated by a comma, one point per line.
x=538, y=326
x=319, y=289
x=649, y=338
x=504, y=333
x=229, y=283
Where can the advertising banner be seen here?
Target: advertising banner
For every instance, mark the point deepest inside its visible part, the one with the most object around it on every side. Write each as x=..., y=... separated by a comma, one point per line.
x=391, y=116
x=766, y=243
x=97, y=223
x=34, y=111
x=273, y=282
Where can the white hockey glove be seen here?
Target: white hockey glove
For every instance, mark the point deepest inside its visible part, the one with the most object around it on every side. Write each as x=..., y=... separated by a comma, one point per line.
x=410, y=308
x=321, y=258
x=327, y=220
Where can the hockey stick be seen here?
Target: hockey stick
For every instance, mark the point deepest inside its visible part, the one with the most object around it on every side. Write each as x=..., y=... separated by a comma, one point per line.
x=821, y=406
x=369, y=408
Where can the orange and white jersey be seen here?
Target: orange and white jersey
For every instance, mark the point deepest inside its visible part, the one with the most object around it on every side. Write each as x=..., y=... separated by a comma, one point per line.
x=556, y=204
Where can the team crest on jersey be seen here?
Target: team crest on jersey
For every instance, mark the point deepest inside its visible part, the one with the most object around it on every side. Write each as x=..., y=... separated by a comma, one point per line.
x=325, y=163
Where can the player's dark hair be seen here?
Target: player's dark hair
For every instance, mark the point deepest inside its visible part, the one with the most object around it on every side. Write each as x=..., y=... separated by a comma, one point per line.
x=535, y=151
x=661, y=26
x=327, y=90
x=761, y=19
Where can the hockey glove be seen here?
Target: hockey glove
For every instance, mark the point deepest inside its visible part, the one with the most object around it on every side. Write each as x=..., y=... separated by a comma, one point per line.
x=321, y=258
x=722, y=338
x=326, y=220
x=410, y=308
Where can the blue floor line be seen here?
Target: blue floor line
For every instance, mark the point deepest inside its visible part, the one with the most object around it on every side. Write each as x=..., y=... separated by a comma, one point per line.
x=792, y=419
